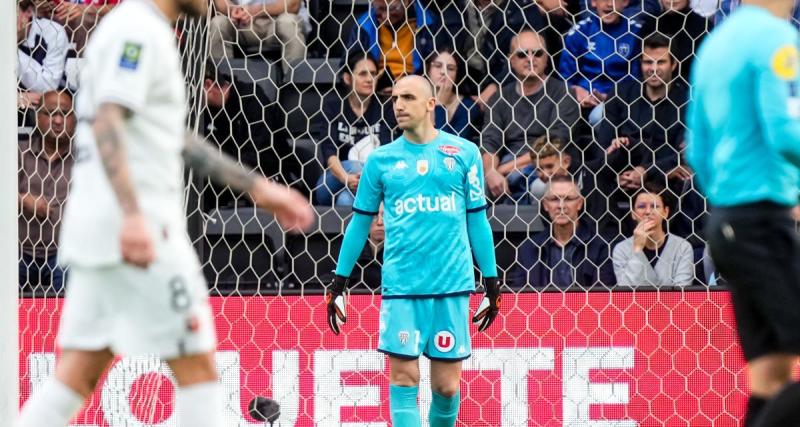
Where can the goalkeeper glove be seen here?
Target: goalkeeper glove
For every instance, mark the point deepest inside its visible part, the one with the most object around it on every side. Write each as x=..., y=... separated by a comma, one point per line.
x=334, y=299
x=490, y=304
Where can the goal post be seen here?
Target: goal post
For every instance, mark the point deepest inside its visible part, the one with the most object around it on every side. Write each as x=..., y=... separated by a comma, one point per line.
x=9, y=337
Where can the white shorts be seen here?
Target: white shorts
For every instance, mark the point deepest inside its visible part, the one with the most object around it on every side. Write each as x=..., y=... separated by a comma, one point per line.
x=161, y=310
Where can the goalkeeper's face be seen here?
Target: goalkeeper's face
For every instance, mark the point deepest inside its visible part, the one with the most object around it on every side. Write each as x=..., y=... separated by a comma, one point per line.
x=413, y=102
x=193, y=8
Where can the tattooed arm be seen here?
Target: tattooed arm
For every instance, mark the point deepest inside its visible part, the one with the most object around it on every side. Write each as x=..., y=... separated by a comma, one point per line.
x=292, y=210
x=108, y=132
x=208, y=161
x=136, y=243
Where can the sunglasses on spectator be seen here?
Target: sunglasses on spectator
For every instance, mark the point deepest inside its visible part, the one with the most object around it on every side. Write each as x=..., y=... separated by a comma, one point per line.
x=536, y=53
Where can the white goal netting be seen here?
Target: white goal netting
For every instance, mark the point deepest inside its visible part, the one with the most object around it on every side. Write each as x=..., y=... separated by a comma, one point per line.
x=582, y=129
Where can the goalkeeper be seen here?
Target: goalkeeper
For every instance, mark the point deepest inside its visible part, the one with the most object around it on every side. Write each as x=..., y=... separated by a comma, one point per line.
x=431, y=184
x=744, y=147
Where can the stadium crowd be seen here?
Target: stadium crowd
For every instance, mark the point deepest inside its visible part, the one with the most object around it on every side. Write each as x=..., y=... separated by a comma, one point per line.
x=577, y=106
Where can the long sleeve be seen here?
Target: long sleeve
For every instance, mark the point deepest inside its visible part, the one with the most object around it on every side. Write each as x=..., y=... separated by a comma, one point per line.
x=353, y=244
x=683, y=267
x=632, y=268
x=482, y=243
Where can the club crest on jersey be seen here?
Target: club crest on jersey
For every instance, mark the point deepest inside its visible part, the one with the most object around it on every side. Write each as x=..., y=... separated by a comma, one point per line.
x=444, y=341
x=450, y=163
x=624, y=49
x=403, y=337
x=131, y=53
x=450, y=150
x=422, y=167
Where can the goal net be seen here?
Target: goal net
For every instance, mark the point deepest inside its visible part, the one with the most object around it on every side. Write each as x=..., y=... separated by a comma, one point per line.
x=297, y=90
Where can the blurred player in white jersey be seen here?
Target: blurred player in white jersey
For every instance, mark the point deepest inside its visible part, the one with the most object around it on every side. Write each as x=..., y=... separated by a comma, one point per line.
x=135, y=284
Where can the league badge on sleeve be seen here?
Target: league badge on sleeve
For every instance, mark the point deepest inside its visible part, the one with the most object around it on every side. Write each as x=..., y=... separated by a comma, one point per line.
x=785, y=62
x=131, y=53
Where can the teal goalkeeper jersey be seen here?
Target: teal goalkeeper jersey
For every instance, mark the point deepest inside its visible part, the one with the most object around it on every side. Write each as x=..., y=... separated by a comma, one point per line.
x=427, y=190
x=744, y=119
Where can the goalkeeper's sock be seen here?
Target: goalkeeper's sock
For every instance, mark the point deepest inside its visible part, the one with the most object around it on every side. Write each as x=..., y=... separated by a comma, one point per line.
x=403, y=406
x=199, y=405
x=754, y=406
x=782, y=410
x=444, y=410
x=52, y=406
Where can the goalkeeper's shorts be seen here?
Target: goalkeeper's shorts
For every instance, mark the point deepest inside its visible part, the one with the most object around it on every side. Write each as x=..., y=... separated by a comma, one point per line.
x=161, y=310
x=435, y=327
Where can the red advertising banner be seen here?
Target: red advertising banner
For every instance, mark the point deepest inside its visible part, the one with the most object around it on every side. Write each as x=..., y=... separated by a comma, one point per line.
x=600, y=359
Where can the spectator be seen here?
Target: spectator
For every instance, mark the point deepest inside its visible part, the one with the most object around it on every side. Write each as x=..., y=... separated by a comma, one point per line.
x=399, y=36
x=549, y=159
x=596, y=179
x=79, y=17
x=648, y=119
x=600, y=51
x=247, y=125
x=276, y=23
x=570, y=252
x=531, y=105
x=349, y=129
x=634, y=7
x=490, y=25
x=42, y=51
x=454, y=113
x=684, y=27
x=44, y=175
x=652, y=257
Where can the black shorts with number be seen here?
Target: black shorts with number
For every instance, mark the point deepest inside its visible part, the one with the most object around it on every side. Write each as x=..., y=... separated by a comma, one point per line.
x=755, y=248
